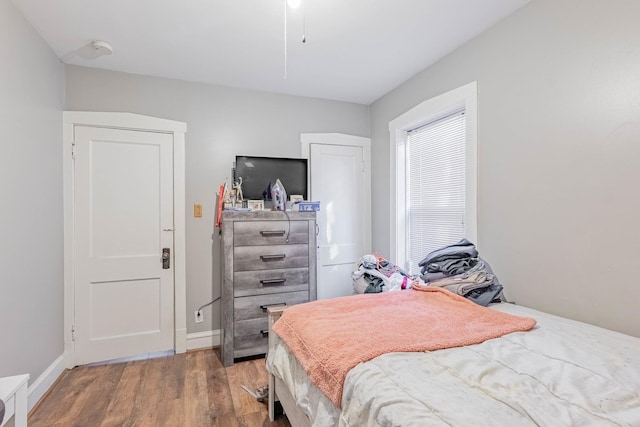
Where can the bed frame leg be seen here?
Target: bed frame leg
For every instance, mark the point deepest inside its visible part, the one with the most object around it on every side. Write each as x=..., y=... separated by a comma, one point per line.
x=274, y=314
x=272, y=397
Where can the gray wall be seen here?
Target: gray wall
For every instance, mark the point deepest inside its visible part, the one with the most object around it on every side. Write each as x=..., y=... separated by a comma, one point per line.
x=559, y=153
x=31, y=240
x=222, y=123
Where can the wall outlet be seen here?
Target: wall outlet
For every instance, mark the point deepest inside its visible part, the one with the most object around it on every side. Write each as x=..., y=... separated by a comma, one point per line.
x=199, y=316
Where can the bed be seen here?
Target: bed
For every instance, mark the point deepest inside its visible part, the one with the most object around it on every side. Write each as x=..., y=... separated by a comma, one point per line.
x=558, y=373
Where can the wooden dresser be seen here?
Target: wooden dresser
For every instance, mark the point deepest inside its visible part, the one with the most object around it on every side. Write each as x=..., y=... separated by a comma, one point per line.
x=269, y=259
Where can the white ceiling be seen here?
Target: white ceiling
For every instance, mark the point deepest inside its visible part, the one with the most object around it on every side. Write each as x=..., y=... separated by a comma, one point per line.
x=356, y=50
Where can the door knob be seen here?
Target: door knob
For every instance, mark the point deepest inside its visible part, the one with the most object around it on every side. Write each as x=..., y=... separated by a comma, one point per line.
x=166, y=258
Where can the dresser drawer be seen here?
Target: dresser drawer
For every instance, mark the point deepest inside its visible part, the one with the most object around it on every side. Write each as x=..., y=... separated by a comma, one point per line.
x=247, y=283
x=250, y=345
x=259, y=326
x=251, y=334
x=251, y=258
x=251, y=337
x=255, y=307
x=260, y=233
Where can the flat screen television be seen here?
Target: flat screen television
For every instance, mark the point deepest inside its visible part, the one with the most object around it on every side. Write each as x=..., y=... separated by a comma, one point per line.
x=259, y=173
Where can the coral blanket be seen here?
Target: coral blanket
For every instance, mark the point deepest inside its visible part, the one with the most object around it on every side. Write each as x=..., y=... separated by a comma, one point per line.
x=329, y=337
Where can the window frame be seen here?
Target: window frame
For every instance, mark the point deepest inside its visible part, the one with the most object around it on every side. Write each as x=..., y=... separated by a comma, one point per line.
x=464, y=97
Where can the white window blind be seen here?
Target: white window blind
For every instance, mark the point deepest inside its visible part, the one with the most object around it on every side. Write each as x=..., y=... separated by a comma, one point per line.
x=435, y=186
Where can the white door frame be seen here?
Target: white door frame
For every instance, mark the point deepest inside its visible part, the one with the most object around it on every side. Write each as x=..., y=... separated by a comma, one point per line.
x=137, y=122
x=306, y=139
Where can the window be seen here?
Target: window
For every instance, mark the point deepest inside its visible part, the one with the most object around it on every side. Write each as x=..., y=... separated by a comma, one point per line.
x=434, y=166
x=435, y=186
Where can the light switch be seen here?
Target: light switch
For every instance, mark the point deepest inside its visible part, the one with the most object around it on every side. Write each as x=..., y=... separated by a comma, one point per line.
x=197, y=211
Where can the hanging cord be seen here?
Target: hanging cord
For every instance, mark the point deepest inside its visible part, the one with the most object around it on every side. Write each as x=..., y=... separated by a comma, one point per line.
x=285, y=39
x=209, y=303
x=304, y=22
x=288, y=224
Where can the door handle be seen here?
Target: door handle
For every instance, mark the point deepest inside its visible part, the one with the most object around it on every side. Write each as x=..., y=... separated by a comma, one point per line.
x=166, y=258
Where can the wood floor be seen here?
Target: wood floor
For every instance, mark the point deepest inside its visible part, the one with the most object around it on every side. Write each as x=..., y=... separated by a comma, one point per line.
x=191, y=389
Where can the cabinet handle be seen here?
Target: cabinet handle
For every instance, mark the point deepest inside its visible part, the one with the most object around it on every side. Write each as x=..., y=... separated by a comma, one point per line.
x=272, y=282
x=272, y=233
x=266, y=258
x=265, y=306
x=265, y=333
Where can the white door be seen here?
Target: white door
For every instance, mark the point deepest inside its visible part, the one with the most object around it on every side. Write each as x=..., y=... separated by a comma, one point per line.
x=338, y=182
x=123, y=218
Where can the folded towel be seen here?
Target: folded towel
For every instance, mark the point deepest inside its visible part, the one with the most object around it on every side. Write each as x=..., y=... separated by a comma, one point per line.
x=451, y=267
x=464, y=283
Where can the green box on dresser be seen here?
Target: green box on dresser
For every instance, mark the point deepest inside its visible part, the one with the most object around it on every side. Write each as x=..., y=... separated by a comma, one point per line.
x=269, y=259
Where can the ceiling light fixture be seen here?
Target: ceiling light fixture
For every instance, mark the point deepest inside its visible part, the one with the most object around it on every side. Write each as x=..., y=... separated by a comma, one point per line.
x=294, y=4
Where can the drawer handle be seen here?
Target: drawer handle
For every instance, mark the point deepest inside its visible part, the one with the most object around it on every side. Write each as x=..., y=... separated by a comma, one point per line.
x=272, y=282
x=265, y=333
x=272, y=233
x=266, y=258
x=265, y=306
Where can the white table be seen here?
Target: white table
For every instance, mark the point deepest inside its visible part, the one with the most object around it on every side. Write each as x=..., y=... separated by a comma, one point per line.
x=13, y=392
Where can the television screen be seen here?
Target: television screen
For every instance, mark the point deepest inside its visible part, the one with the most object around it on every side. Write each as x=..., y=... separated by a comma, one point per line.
x=259, y=173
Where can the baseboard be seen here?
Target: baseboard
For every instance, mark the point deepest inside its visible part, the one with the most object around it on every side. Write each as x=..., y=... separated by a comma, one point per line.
x=206, y=339
x=43, y=383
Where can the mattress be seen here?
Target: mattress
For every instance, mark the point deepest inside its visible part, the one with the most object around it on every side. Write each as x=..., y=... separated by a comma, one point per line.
x=562, y=373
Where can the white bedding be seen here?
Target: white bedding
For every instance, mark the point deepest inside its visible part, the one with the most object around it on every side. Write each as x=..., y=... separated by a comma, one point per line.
x=563, y=373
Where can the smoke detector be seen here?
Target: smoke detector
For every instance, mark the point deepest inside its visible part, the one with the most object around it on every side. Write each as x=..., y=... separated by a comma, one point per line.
x=101, y=48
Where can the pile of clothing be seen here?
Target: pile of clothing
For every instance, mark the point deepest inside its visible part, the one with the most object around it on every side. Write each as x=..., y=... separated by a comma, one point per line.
x=374, y=274
x=459, y=269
